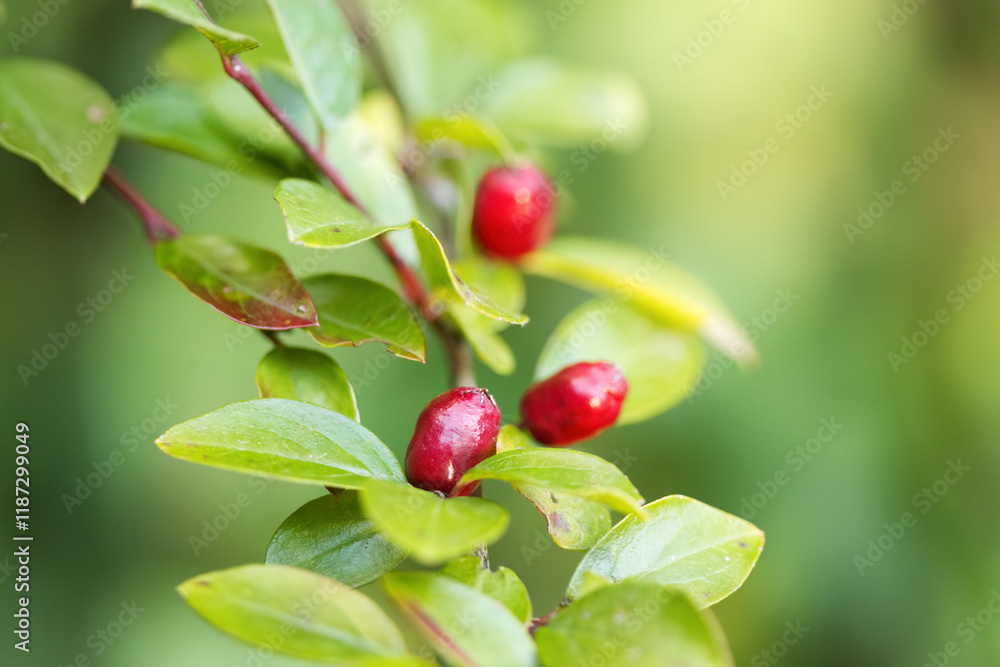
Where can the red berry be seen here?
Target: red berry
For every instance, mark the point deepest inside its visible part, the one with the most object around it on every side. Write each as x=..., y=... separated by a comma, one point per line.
x=514, y=211
x=576, y=403
x=456, y=430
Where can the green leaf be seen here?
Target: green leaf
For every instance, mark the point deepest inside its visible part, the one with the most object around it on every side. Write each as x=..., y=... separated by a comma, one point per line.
x=59, y=119
x=332, y=537
x=573, y=523
x=563, y=471
x=502, y=284
x=297, y=613
x=647, y=282
x=284, y=439
x=431, y=528
x=470, y=131
x=311, y=377
x=686, y=544
x=662, y=365
x=250, y=128
x=251, y=285
x=188, y=56
x=187, y=12
x=371, y=171
x=174, y=117
x=502, y=585
x=465, y=627
x=447, y=284
x=354, y=311
x=321, y=44
x=318, y=217
x=446, y=52
x=184, y=119
x=543, y=101
x=479, y=331
x=633, y=625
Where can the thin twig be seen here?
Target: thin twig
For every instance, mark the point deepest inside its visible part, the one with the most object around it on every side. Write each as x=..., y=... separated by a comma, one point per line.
x=155, y=224
x=461, y=368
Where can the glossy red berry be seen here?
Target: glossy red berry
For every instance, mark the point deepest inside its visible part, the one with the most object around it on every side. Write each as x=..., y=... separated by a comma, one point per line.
x=456, y=430
x=514, y=211
x=576, y=403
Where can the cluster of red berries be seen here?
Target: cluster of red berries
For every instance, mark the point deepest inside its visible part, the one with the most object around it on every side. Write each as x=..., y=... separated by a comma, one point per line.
x=514, y=214
x=458, y=429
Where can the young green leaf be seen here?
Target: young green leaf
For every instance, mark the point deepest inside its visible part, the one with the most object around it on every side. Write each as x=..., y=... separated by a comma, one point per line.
x=284, y=439
x=503, y=285
x=251, y=285
x=318, y=217
x=311, y=377
x=481, y=335
x=465, y=627
x=564, y=471
x=354, y=311
x=662, y=365
x=446, y=282
x=633, y=625
x=648, y=283
x=431, y=528
x=469, y=131
x=500, y=282
x=543, y=101
x=59, y=119
x=685, y=544
x=502, y=585
x=297, y=613
x=573, y=522
x=321, y=44
x=332, y=537
x=187, y=12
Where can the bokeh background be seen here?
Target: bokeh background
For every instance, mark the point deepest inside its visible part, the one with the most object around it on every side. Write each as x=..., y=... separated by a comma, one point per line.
x=788, y=229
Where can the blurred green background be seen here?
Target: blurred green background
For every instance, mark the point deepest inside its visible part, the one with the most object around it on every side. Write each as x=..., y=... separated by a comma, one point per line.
x=856, y=296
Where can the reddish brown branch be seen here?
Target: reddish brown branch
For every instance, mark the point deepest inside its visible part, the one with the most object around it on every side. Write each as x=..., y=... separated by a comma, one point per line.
x=155, y=224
